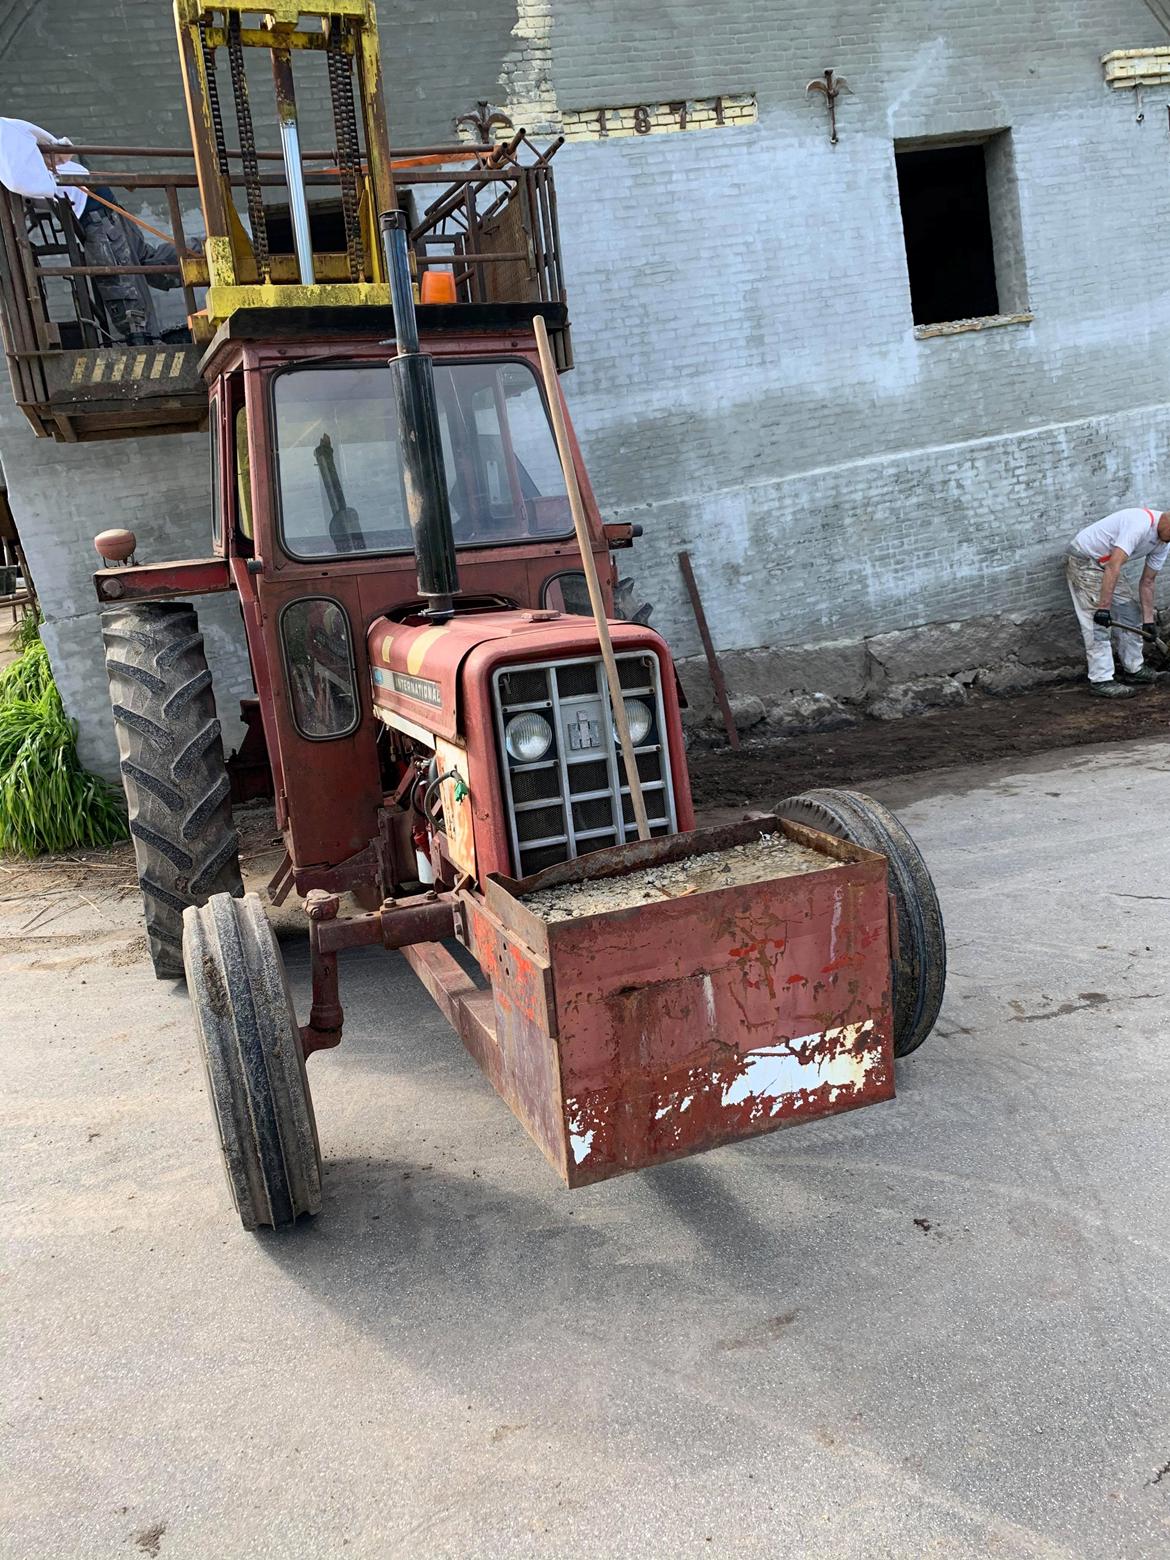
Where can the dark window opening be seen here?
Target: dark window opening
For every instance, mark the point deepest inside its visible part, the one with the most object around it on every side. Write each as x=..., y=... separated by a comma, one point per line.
x=947, y=222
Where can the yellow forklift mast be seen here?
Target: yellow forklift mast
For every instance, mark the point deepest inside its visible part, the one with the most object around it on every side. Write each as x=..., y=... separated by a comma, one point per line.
x=242, y=270
x=289, y=232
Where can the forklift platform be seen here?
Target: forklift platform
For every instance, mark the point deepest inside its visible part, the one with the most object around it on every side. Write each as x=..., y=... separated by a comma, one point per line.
x=483, y=222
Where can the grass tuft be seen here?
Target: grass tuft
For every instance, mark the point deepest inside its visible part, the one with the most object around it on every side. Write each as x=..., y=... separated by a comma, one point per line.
x=27, y=632
x=48, y=802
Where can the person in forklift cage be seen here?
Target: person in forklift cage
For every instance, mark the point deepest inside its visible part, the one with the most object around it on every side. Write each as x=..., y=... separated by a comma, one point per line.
x=36, y=163
x=111, y=240
x=1093, y=567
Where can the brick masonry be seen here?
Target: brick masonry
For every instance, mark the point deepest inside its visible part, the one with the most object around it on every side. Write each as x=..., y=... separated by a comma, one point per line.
x=683, y=116
x=749, y=382
x=834, y=476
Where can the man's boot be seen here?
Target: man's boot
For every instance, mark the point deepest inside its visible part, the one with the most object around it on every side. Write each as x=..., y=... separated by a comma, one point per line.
x=1144, y=677
x=1111, y=690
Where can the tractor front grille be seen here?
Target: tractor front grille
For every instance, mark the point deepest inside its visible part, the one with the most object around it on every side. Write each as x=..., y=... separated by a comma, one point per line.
x=573, y=798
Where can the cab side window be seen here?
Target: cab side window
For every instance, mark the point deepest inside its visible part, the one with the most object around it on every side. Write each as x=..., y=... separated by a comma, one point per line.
x=216, y=478
x=243, y=475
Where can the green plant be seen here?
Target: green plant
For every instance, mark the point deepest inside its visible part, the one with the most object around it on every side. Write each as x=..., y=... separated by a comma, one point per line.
x=48, y=802
x=27, y=632
x=27, y=677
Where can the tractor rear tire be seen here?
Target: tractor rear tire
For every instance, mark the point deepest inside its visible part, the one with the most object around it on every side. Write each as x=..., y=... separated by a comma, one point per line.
x=173, y=771
x=255, y=1063
x=919, y=972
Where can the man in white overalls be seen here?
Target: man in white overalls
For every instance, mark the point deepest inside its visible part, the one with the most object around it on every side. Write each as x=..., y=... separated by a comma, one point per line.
x=1093, y=567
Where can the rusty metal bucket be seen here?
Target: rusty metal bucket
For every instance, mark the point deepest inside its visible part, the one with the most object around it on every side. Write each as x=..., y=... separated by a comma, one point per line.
x=644, y=1033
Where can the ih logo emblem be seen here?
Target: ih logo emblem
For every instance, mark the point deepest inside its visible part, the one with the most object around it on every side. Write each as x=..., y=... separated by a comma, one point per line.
x=584, y=733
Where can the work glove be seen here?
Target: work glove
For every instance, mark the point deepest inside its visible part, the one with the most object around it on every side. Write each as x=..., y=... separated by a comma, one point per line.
x=1102, y=618
x=1150, y=631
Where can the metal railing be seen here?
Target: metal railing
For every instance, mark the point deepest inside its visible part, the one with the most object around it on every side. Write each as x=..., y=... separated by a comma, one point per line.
x=491, y=223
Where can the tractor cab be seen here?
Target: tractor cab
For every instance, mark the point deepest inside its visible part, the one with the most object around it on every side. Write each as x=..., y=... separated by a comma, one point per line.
x=313, y=527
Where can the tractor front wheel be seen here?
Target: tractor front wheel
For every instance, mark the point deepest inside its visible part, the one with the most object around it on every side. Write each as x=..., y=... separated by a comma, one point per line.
x=919, y=972
x=254, y=1059
x=173, y=771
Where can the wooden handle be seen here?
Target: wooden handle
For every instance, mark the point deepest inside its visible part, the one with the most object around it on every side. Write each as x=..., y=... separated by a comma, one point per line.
x=130, y=217
x=716, y=671
x=596, y=600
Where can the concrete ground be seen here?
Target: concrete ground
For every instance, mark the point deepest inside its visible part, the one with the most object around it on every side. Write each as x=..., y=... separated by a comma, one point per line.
x=938, y=1326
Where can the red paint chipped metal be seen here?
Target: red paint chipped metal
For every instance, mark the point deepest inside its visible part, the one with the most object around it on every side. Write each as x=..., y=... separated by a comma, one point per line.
x=660, y=1030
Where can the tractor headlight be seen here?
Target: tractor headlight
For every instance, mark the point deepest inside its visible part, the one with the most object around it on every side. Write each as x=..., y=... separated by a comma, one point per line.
x=528, y=738
x=639, y=719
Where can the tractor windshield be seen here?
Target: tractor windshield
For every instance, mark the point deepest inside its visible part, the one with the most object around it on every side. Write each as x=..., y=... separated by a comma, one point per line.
x=339, y=476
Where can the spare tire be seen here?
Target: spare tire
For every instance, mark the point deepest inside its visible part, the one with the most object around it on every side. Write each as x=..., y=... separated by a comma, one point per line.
x=919, y=971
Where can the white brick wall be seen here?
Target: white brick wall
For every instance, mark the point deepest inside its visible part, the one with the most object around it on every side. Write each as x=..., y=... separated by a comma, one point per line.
x=748, y=382
x=62, y=496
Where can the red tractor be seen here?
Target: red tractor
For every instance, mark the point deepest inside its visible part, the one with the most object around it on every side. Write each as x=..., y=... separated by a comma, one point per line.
x=488, y=776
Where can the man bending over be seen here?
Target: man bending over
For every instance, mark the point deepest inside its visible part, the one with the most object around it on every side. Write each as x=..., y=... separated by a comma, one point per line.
x=1093, y=569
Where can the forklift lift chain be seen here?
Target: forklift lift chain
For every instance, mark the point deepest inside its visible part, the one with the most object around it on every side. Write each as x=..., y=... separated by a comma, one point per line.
x=919, y=965
x=348, y=151
x=213, y=103
x=251, y=1048
x=172, y=767
x=256, y=218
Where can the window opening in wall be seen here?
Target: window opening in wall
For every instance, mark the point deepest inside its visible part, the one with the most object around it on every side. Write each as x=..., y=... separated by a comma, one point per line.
x=960, y=218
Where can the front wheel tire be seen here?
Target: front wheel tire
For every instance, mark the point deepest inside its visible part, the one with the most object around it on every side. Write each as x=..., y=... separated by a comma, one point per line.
x=255, y=1064
x=918, y=973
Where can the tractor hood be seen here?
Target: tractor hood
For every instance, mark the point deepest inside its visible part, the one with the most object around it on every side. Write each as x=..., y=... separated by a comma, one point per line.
x=415, y=667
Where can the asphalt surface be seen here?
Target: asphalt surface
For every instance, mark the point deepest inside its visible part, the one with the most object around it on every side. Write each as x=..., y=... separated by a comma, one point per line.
x=933, y=1327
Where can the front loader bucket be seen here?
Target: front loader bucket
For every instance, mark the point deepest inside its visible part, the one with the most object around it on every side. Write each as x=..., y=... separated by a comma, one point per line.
x=664, y=997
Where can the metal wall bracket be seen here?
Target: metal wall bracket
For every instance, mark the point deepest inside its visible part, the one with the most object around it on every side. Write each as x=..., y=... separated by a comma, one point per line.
x=484, y=121
x=832, y=86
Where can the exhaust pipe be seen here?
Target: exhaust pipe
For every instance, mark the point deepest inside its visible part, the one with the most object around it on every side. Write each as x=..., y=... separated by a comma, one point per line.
x=427, y=505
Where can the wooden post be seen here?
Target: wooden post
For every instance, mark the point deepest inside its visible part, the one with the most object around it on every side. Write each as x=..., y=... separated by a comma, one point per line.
x=596, y=600
x=717, y=682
